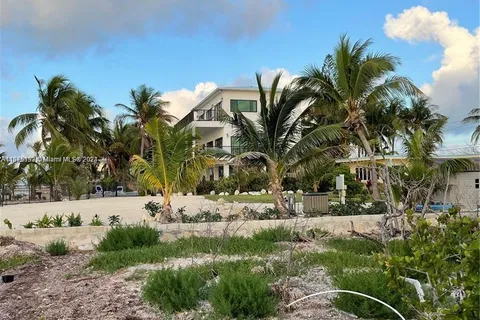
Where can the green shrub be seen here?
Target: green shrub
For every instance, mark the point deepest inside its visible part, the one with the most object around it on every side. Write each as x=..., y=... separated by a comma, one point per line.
x=398, y=247
x=44, y=222
x=226, y=184
x=96, y=221
x=29, y=225
x=152, y=208
x=355, y=245
x=375, y=284
x=14, y=262
x=173, y=291
x=277, y=234
x=256, y=181
x=203, y=216
x=337, y=262
x=78, y=187
x=57, y=247
x=74, y=220
x=113, y=220
x=243, y=295
x=205, y=187
x=8, y=223
x=266, y=214
x=350, y=208
x=377, y=207
x=57, y=221
x=128, y=237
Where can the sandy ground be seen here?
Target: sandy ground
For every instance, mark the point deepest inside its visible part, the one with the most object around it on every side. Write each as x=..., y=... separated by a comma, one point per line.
x=62, y=288
x=130, y=209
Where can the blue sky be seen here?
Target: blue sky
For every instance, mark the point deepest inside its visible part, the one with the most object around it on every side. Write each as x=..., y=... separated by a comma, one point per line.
x=107, y=50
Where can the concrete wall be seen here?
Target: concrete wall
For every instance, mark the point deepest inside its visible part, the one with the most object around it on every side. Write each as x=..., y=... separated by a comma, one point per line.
x=84, y=238
x=462, y=191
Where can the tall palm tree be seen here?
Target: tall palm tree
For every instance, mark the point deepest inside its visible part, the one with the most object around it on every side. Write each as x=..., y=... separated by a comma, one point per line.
x=145, y=104
x=3, y=153
x=176, y=164
x=36, y=147
x=10, y=174
x=474, y=117
x=275, y=138
x=351, y=79
x=54, y=111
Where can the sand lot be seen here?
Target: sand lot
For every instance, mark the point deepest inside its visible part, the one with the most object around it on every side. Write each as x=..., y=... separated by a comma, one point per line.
x=130, y=209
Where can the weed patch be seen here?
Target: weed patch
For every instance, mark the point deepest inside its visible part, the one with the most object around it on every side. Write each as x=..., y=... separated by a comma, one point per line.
x=277, y=234
x=14, y=262
x=354, y=245
x=336, y=262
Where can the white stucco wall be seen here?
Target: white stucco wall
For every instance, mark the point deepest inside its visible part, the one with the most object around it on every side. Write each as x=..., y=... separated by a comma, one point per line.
x=462, y=191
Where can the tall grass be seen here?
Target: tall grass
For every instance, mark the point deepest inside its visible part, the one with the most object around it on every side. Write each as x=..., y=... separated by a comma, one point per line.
x=354, y=245
x=128, y=237
x=57, y=247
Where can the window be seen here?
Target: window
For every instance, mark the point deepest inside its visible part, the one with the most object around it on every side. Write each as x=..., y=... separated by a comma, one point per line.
x=477, y=183
x=210, y=174
x=235, y=144
x=243, y=105
x=219, y=143
x=210, y=144
x=220, y=172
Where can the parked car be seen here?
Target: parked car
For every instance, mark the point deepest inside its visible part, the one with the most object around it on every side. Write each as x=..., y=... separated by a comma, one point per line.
x=435, y=206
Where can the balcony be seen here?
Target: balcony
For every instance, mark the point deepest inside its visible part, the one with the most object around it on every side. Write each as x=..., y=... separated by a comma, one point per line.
x=233, y=150
x=208, y=118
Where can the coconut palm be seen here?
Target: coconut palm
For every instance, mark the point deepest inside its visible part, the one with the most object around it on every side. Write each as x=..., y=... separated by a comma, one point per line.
x=474, y=117
x=3, y=153
x=275, y=138
x=146, y=104
x=10, y=174
x=352, y=79
x=419, y=115
x=36, y=147
x=175, y=164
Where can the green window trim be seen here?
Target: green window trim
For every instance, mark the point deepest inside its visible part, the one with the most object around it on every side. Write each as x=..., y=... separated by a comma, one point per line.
x=237, y=105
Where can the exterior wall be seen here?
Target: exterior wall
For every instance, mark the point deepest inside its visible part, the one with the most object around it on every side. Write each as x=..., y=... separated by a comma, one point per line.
x=462, y=191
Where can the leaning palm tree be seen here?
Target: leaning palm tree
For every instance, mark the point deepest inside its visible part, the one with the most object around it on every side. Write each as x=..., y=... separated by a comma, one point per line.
x=175, y=165
x=275, y=140
x=351, y=79
x=474, y=117
x=146, y=104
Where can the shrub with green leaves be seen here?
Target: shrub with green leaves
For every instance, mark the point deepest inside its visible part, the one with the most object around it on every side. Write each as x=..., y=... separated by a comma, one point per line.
x=152, y=208
x=243, y=295
x=226, y=184
x=173, y=290
x=449, y=253
x=266, y=214
x=57, y=247
x=57, y=221
x=202, y=216
x=373, y=283
x=96, y=221
x=377, y=207
x=277, y=234
x=29, y=225
x=44, y=222
x=74, y=220
x=350, y=208
x=8, y=223
x=128, y=237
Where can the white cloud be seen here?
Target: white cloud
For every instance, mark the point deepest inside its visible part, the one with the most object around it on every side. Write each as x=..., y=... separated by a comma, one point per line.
x=183, y=100
x=455, y=86
x=267, y=78
x=8, y=140
x=58, y=26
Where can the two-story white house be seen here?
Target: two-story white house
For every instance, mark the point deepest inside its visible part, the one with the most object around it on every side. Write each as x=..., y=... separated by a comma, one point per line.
x=205, y=120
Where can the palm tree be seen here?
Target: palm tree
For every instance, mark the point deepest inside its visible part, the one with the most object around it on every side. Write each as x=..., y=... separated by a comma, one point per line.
x=176, y=163
x=3, y=153
x=9, y=176
x=54, y=111
x=276, y=141
x=474, y=117
x=36, y=147
x=146, y=104
x=420, y=115
x=352, y=79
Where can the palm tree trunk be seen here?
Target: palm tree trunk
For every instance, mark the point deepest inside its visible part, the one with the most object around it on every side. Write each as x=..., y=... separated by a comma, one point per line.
x=142, y=145
x=276, y=188
x=427, y=199
x=371, y=154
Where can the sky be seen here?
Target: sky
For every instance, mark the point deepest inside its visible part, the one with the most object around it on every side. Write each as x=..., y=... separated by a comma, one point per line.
x=186, y=48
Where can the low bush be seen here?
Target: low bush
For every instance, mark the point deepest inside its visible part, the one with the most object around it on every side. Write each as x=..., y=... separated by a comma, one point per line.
x=353, y=208
x=29, y=225
x=152, y=208
x=74, y=220
x=128, y=237
x=44, y=222
x=173, y=291
x=205, y=187
x=226, y=184
x=243, y=295
x=336, y=262
x=57, y=221
x=113, y=220
x=375, y=284
x=355, y=245
x=377, y=207
x=277, y=234
x=203, y=216
x=96, y=221
x=398, y=247
x=266, y=214
x=57, y=247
